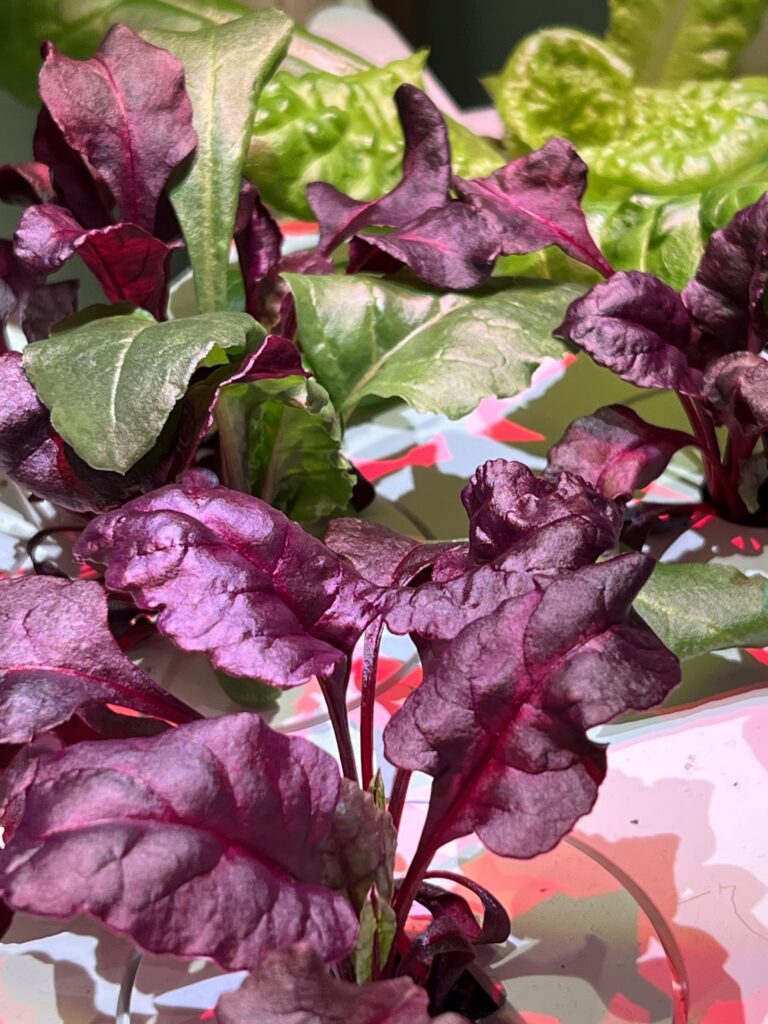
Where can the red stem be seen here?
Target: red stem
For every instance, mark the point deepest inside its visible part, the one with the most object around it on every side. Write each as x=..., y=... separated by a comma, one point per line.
x=334, y=691
x=398, y=795
x=371, y=646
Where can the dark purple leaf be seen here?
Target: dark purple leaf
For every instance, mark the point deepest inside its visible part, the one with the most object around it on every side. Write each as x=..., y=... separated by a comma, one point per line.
x=43, y=305
x=437, y=958
x=125, y=111
x=615, y=451
x=203, y=841
x=36, y=457
x=725, y=298
x=26, y=183
x=496, y=925
x=736, y=391
x=425, y=182
x=499, y=720
x=294, y=987
x=77, y=185
x=58, y=657
x=535, y=201
x=259, y=244
x=453, y=246
x=373, y=550
x=638, y=327
x=130, y=264
x=6, y=918
x=234, y=579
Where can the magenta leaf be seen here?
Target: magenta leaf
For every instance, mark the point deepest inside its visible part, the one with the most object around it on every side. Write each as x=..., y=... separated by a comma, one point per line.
x=259, y=244
x=736, y=390
x=58, y=657
x=375, y=551
x=496, y=924
x=425, y=182
x=535, y=201
x=26, y=183
x=130, y=264
x=499, y=720
x=437, y=958
x=126, y=112
x=453, y=246
x=638, y=327
x=235, y=579
x=725, y=298
x=203, y=841
x=294, y=987
x=38, y=304
x=615, y=451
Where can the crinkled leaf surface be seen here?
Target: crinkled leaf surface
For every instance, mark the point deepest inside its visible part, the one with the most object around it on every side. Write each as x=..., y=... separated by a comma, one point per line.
x=615, y=451
x=535, y=201
x=440, y=353
x=294, y=987
x=235, y=579
x=563, y=82
x=58, y=657
x=288, y=437
x=700, y=608
x=126, y=111
x=374, y=550
x=111, y=384
x=341, y=129
x=638, y=327
x=674, y=41
x=225, y=69
x=191, y=842
x=736, y=390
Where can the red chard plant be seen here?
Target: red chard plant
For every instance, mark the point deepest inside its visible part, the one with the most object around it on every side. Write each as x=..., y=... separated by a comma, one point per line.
x=200, y=461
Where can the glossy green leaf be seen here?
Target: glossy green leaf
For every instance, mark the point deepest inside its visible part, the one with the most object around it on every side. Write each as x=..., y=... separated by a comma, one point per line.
x=721, y=202
x=344, y=130
x=697, y=608
x=442, y=353
x=561, y=82
x=111, y=384
x=669, y=41
x=225, y=67
x=78, y=26
x=686, y=139
x=249, y=693
x=288, y=438
x=378, y=924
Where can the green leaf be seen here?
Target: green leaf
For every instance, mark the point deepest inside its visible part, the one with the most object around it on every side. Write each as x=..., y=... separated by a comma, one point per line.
x=364, y=336
x=250, y=693
x=78, y=26
x=111, y=384
x=344, y=130
x=226, y=67
x=721, y=202
x=670, y=41
x=378, y=924
x=686, y=139
x=565, y=83
x=700, y=608
x=288, y=439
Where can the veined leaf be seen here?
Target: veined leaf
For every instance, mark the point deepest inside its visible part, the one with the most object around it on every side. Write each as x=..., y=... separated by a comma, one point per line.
x=700, y=608
x=365, y=336
x=226, y=67
x=674, y=40
x=111, y=384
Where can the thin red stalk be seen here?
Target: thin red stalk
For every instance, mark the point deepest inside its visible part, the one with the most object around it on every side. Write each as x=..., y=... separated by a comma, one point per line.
x=371, y=646
x=406, y=894
x=398, y=795
x=718, y=483
x=334, y=691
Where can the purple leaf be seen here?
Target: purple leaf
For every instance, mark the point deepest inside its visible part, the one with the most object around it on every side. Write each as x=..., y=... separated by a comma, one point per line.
x=234, y=579
x=638, y=327
x=615, y=451
x=725, y=298
x=535, y=201
x=36, y=457
x=77, y=185
x=126, y=112
x=259, y=244
x=203, y=841
x=6, y=919
x=294, y=987
x=26, y=183
x=453, y=246
x=59, y=657
x=43, y=305
x=736, y=390
x=499, y=720
x=496, y=925
x=437, y=958
x=130, y=264
x=374, y=551
x=425, y=182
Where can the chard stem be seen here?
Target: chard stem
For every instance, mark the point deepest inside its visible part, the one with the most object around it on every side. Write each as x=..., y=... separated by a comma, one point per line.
x=371, y=646
x=398, y=795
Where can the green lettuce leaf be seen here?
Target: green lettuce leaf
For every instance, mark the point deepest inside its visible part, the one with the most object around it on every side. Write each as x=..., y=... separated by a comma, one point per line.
x=700, y=608
x=111, y=384
x=669, y=41
x=226, y=67
x=287, y=437
x=344, y=130
x=363, y=336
